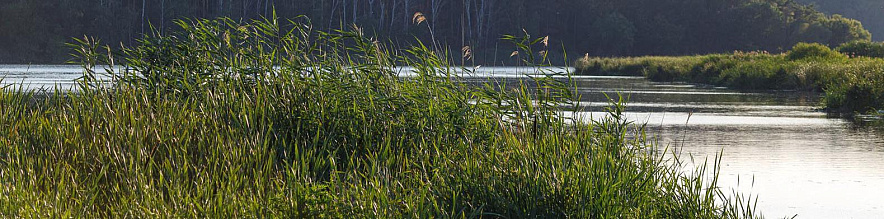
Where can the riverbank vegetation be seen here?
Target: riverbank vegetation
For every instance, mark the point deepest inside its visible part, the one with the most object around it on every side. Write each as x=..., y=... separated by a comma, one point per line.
x=853, y=83
x=229, y=119
x=35, y=31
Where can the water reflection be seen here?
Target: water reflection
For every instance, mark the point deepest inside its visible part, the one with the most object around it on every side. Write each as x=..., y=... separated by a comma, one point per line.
x=803, y=161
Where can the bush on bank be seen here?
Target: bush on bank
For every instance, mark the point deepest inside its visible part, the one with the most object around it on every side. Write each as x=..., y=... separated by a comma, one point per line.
x=862, y=48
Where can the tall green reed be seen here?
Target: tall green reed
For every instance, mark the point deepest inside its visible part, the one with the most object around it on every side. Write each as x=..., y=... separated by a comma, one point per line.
x=263, y=119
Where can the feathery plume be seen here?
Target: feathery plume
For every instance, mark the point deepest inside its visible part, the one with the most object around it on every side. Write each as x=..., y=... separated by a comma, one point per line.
x=226, y=37
x=418, y=18
x=467, y=52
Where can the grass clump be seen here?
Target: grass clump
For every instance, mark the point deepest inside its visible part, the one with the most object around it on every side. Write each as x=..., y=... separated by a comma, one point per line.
x=851, y=85
x=231, y=119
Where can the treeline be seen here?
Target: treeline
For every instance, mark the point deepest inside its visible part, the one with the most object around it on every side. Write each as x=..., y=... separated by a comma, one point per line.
x=866, y=11
x=35, y=31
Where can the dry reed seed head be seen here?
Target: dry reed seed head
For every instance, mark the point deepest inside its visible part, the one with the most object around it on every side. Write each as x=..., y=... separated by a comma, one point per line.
x=377, y=46
x=418, y=18
x=467, y=52
x=227, y=37
x=546, y=41
x=110, y=56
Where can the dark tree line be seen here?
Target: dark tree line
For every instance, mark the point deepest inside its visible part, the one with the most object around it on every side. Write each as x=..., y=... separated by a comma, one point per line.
x=869, y=12
x=35, y=31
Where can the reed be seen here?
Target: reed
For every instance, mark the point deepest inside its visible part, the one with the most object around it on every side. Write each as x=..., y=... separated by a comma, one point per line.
x=261, y=119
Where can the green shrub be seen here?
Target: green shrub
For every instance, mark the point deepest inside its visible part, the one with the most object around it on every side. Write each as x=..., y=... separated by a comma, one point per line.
x=862, y=48
x=816, y=51
x=857, y=87
x=854, y=97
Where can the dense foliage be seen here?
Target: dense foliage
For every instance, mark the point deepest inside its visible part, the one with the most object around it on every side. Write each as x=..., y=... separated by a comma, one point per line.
x=862, y=48
x=227, y=119
x=33, y=31
x=866, y=11
x=813, y=51
x=851, y=85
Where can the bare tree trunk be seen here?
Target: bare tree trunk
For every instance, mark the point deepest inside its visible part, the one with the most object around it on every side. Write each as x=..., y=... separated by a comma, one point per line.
x=371, y=7
x=407, y=15
x=383, y=13
x=436, y=8
x=355, y=6
x=331, y=17
x=463, y=39
x=484, y=19
x=162, y=16
x=393, y=14
x=143, y=13
x=469, y=14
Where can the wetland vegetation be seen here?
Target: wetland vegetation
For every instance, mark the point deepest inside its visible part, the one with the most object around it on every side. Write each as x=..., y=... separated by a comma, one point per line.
x=852, y=76
x=232, y=119
x=361, y=109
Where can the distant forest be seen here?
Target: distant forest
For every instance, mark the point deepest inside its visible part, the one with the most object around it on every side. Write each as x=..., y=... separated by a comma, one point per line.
x=35, y=31
x=869, y=12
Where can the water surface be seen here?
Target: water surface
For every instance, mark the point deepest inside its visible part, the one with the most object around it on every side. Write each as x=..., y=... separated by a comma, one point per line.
x=777, y=145
x=35, y=77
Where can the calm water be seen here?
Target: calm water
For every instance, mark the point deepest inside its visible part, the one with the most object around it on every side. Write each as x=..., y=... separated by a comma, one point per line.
x=32, y=77
x=802, y=161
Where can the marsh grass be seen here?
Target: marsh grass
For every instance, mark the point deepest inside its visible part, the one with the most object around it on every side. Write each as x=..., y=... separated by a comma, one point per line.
x=230, y=119
x=851, y=85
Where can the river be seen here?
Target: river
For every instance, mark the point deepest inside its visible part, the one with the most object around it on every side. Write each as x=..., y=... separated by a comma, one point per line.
x=801, y=161
x=796, y=159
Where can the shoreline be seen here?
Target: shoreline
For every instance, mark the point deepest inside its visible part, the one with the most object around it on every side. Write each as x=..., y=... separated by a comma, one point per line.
x=852, y=86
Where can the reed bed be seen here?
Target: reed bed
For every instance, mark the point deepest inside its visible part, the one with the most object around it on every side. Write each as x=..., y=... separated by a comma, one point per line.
x=851, y=84
x=231, y=119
